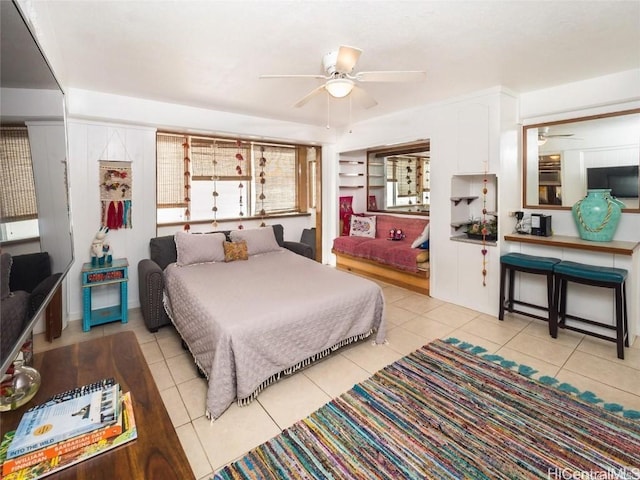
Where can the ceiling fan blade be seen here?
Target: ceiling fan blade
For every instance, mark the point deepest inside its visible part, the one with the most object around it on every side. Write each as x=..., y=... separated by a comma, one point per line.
x=363, y=98
x=391, y=76
x=308, y=96
x=347, y=58
x=321, y=77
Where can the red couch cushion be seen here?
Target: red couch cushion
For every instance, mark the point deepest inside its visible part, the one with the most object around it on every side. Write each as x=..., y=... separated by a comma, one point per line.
x=396, y=254
x=412, y=227
x=348, y=244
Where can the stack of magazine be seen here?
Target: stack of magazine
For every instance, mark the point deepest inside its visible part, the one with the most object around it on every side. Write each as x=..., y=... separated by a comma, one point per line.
x=67, y=429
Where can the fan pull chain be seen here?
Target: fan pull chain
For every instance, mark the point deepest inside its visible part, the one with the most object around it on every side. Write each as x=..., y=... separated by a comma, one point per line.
x=350, y=110
x=328, y=111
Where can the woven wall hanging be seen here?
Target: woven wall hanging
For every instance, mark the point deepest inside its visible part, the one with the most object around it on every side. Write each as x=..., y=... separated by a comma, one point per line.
x=115, y=194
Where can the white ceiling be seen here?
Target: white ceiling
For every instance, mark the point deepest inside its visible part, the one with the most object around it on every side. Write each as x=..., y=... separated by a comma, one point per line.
x=210, y=53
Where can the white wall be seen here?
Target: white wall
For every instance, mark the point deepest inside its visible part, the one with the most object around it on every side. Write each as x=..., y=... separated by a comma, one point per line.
x=579, y=99
x=90, y=142
x=606, y=94
x=109, y=127
x=456, y=131
x=467, y=135
x=590, y=97
x=462, y=139
x=47, y=141
x=30, y=104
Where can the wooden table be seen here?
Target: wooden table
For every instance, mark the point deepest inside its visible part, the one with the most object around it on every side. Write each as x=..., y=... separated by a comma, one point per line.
x=156, y=453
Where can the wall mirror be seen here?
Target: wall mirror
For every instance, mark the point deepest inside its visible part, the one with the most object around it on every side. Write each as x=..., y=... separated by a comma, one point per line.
x=398, y=178
x=32, y=101
x=563, y=159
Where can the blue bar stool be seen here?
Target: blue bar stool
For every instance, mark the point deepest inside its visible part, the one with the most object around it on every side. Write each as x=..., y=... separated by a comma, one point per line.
x=606, y=277
x=511, y=263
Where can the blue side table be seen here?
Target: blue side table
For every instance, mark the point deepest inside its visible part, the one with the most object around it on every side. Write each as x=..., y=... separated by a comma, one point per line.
x=117, y=272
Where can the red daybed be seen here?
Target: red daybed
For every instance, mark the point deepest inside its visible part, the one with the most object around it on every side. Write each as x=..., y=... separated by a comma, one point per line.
x=395, y=262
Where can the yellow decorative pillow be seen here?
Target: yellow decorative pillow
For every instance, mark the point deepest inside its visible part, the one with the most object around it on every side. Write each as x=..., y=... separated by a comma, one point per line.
x=422, y=256
x=235, y=251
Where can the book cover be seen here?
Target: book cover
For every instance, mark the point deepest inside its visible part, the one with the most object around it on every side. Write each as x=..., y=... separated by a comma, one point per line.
x=60, y=462
x=18, y=463
x=77, y=392
x=43, y=426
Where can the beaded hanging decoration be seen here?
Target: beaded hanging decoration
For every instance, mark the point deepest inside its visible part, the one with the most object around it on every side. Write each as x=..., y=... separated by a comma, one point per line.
x=240, y=159
x=214, y=178
x=263, y=179
x=187, y=185
x=484, y=230
x=409, y=172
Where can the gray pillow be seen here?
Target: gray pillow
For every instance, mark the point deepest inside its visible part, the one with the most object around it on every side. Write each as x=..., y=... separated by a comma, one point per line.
x=199, y=248
x=259, y=240
x=5, y=272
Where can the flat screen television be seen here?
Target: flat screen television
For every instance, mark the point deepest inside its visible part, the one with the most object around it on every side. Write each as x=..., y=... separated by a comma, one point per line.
x=623, y=181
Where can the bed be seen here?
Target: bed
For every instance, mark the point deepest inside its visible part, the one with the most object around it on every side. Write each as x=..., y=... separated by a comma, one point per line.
x=249, y=320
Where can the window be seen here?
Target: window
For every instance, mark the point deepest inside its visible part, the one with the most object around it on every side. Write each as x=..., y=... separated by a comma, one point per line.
x=398, y=177
x=18, y=207
x=205, y=179
x=402, y=172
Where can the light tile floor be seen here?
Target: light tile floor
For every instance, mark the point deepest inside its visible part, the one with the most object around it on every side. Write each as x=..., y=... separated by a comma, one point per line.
x=412, y=321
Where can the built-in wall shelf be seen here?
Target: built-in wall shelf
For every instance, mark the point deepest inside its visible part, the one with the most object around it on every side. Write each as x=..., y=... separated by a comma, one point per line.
x=465, y=211
x=464, y=239
x=457, y=200
x=616, y=247
x=458, y=225
x=352, y=172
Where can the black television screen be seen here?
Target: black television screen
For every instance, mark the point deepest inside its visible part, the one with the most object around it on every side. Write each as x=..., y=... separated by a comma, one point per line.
x=623, y=181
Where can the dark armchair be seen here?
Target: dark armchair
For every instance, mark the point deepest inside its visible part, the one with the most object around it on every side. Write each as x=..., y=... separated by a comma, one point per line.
x=162, y=252
x=29, y=281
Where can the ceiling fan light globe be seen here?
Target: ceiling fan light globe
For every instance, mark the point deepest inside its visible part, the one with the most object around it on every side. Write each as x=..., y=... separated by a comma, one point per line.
x=339, y=87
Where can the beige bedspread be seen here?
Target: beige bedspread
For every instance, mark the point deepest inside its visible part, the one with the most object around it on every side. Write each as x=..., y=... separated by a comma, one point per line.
x=249, y=321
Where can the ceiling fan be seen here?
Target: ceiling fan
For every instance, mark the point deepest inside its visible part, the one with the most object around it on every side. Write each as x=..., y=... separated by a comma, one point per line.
x=340, y=81
x=544, y=135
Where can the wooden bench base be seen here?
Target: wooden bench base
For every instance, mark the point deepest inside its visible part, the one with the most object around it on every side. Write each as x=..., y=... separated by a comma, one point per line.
x=418, y=282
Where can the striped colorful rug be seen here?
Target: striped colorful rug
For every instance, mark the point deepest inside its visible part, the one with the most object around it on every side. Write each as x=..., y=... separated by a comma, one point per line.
x=446, y=412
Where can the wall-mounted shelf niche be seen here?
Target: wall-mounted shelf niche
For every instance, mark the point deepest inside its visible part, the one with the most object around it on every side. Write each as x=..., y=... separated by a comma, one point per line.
x=352, y=173
x=458, y=225
x=464, y=239
x=457, y=200
x=468, y=201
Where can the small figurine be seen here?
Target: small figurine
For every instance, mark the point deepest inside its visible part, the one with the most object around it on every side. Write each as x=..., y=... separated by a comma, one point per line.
x=396, y=234
x=100, y=250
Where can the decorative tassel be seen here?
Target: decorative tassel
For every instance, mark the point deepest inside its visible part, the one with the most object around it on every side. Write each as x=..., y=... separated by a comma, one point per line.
x=120, y=217
x=112, y=220
x=103, y=213
x=126, y=217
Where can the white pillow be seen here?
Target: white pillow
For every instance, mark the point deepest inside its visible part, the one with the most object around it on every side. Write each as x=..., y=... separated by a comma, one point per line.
x=259, y=240
x=199, y=248
x=424, y=236
x=363, y=227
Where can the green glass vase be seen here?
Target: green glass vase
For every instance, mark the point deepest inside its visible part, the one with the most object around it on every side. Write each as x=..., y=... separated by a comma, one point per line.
x=597, y=215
